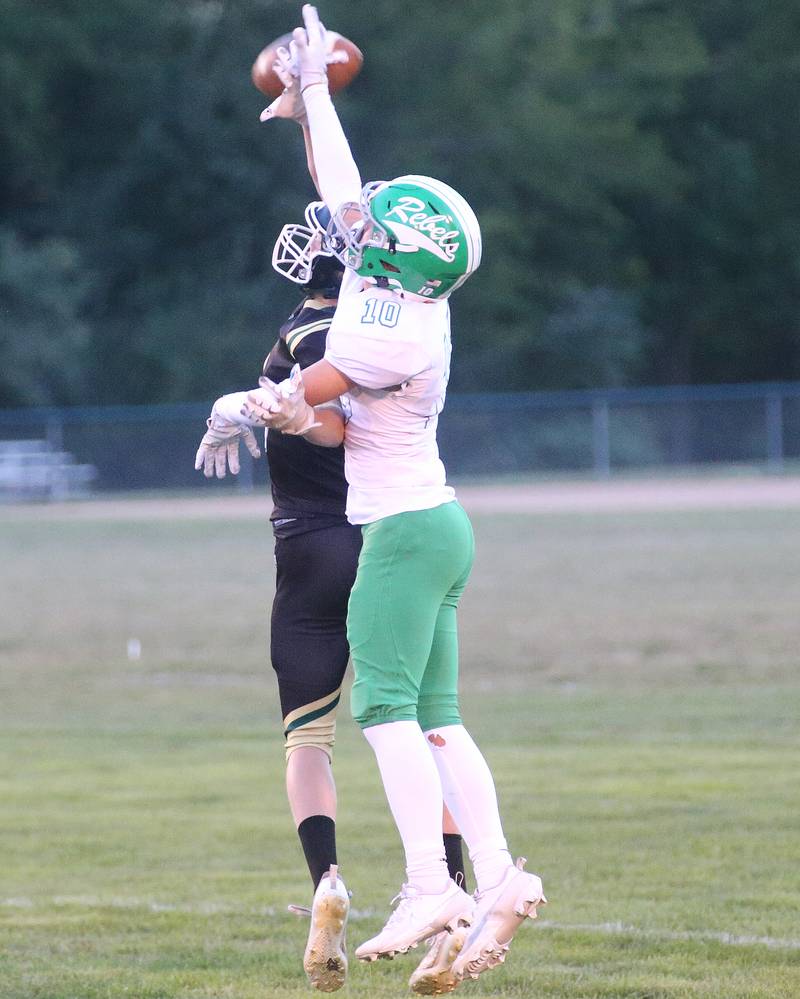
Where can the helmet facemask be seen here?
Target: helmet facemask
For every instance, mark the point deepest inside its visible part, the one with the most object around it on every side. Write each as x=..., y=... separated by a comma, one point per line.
x=352, y=228
x=299, y=246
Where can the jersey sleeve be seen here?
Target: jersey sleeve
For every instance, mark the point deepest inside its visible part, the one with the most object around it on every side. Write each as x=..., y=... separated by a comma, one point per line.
x=308, y=347
x=375, y=363
x=337, y=173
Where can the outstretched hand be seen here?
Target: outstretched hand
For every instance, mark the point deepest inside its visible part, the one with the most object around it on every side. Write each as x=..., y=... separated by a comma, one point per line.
x=305, y=62
x=290, y=103
x=310, y=43
x=219, y=448
x=281, y=406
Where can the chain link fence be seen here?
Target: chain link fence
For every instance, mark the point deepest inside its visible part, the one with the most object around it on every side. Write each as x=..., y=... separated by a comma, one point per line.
x=56, y=453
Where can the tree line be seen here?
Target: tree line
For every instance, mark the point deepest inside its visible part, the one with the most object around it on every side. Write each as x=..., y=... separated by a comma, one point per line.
x=635, y=165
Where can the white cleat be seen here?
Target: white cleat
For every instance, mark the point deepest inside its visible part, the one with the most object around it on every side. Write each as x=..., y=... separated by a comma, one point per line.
x=418, y=915
x=325, y=959
x=499, y=913
x=434, y=975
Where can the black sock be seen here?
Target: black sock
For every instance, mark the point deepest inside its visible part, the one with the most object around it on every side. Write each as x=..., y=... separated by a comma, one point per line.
x=318, y=838
x=455, y=858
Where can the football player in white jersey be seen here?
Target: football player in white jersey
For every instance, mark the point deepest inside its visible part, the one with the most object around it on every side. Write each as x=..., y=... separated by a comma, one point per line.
x=406, y=245
x=316, y=556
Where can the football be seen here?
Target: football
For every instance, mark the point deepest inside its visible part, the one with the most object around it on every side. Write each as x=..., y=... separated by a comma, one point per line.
x=346, y=64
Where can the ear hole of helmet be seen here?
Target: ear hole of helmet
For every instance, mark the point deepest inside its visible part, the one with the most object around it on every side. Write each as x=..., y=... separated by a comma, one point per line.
x=326, y=277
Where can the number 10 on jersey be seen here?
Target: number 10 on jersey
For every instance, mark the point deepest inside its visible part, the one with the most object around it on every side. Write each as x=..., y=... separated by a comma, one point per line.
x=382, y=311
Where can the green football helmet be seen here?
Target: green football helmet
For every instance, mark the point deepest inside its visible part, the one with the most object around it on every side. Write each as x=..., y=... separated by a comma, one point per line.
x=412, y=234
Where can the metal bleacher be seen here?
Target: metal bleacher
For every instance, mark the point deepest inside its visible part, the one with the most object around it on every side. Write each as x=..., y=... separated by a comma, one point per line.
x=35, y=470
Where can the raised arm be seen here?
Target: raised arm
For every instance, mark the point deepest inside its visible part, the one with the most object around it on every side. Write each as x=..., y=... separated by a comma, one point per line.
x=338, y=179
x=307, y=101
x=312, y=168
x=290, y=105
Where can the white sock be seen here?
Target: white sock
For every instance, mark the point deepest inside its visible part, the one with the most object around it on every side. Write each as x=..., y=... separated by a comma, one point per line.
x=470, y=795
x=414, y=792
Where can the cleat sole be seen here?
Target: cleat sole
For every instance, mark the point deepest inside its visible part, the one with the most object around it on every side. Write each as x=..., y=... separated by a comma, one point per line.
x=435, y=976
x=325, y=962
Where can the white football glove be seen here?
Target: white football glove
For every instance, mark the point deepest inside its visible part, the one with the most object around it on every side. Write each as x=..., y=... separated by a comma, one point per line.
x=309, y=44
x=281, y=406
x=287, y=68
x=219, y=448
x=290, y=103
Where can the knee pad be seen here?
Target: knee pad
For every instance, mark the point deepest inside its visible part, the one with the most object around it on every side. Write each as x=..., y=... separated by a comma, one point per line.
x=313, y=725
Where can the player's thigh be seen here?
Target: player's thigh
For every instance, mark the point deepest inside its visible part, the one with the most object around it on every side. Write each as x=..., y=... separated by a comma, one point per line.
x=410, y=563
x=308, y=634
x=438, y=693
x=391, y=618
x=438, y=696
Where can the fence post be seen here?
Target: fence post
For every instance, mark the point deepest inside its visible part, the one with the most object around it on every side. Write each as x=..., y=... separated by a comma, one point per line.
x=601, y=445
x=245, y=478
x=774, y=417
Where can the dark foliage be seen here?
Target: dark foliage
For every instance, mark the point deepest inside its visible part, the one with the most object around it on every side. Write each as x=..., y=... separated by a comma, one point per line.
x=635, y=165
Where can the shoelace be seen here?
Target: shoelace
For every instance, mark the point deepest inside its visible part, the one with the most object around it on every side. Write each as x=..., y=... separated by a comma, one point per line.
x=407, y=894
x=305, y=910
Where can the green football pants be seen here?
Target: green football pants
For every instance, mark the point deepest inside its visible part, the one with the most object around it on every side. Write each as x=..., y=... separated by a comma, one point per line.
x=401, y=619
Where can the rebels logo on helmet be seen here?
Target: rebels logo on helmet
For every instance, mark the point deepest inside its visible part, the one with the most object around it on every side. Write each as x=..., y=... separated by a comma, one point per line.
x=417, y=229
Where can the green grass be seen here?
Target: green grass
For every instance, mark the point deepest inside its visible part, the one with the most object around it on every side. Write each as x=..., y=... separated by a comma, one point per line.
x=632, y=680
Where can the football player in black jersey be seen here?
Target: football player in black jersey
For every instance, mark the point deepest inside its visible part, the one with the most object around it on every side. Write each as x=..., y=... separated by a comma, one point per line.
x=316, y=553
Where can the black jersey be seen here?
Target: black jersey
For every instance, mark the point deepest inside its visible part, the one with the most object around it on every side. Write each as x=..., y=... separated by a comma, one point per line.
x=308, y=484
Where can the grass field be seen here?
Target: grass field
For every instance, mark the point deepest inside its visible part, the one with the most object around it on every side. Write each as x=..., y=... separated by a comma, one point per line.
x=632, y=678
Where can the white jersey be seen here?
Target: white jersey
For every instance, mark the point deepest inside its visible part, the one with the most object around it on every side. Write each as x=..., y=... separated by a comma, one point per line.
x=397, y=351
